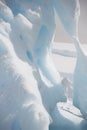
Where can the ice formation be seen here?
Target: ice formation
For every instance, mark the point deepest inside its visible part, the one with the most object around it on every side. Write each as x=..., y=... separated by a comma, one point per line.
x=80, y=77
x=21, y=100
x=80, y=80
x=30, y=85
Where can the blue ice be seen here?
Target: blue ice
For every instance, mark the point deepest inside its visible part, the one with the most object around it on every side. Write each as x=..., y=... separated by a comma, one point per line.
x=30, y=38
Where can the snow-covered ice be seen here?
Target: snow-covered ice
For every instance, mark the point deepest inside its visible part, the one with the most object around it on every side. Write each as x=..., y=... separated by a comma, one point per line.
x=67, y=117
x=31, y=84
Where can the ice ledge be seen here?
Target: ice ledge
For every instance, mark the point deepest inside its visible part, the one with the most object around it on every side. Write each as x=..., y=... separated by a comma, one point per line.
x=67, y=117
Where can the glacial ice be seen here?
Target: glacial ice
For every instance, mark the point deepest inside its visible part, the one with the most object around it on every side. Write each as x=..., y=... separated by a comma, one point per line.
x=19, y=102
x=80, y=77
x=80, y=80
x=30, y=85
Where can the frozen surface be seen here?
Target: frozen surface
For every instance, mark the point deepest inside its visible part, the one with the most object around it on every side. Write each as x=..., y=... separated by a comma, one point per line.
x=67, y=117
x=80, y=81
x=30, y=84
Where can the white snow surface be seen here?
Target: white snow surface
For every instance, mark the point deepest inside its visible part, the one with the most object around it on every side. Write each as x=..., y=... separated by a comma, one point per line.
x=30, y=84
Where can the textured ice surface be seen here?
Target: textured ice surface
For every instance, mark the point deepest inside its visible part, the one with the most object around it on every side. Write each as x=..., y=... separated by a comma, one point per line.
x=80, y=80
x=70, y=24
x=21, y=101
x=67, y=117
x=30, y=85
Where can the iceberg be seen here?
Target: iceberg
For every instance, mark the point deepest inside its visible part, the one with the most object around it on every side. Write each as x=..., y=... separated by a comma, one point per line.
x=30, y=85
x=70, y=23
x=20, y=99
x=80, y=80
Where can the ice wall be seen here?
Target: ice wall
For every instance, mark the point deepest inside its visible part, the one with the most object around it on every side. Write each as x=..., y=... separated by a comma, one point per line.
x=24, y=50
x=69, y=12
x=30, y=85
